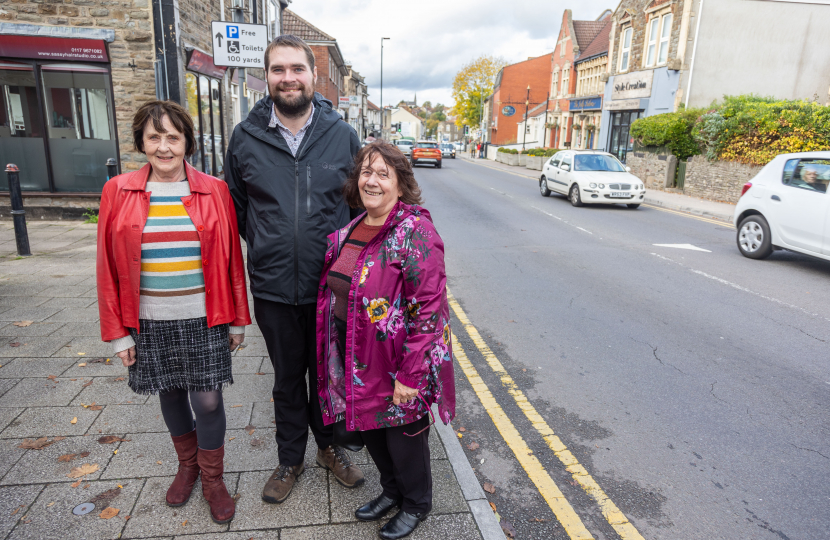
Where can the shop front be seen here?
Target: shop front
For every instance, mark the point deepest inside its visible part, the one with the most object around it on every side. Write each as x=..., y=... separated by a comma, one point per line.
x=203, y=95
x=587, y=114
x=57, y=121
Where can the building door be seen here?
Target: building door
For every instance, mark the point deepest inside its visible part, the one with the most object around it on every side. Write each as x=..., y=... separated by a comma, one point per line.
x=21, y=127
x=620, y=142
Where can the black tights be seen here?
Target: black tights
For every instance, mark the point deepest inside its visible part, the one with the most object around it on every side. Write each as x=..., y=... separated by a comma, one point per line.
x=210, y=415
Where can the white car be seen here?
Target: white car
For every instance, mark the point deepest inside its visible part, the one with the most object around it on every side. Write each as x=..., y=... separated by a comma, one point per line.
x=405, y=146
x=785, y=206
x=591, y=177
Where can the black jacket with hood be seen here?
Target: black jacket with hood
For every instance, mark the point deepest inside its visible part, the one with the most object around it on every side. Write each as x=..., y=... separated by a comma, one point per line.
x=286, y=205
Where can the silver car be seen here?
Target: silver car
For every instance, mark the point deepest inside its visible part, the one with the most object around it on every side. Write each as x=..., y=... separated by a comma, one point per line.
x=591, y=177
x=405, y=146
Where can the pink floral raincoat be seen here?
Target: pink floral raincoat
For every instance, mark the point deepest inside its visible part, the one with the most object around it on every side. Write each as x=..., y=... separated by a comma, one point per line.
x=398, y=327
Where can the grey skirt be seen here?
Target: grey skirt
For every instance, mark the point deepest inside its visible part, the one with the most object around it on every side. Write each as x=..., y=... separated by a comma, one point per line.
x=183, y=354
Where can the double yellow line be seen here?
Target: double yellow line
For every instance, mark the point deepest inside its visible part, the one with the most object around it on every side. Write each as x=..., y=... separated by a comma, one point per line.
x=557, y=502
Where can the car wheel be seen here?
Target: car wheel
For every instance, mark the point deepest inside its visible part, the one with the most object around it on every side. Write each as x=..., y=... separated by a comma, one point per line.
x=754, y=239
x=574, y=197
x=438, y=165
x=633, y=206
x=543, y=187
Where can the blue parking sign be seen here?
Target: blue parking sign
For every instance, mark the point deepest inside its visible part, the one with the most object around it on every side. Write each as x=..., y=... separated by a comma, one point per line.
x=233, y=32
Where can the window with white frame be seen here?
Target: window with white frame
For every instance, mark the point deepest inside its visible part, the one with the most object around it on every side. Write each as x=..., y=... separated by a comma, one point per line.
x=565, y=79
x=625, y=49
x=273, y=19
x=665, y=37
x=554, y=84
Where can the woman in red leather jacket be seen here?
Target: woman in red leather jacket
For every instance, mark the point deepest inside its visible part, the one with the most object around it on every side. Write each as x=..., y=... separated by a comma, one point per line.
x=172, y=295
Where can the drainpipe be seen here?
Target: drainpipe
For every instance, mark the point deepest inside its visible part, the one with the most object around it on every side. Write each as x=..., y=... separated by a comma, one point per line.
x=694, y=50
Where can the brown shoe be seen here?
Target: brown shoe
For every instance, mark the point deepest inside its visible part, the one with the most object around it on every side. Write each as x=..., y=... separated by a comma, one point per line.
x=279, y=485
x=186, y=447
x=338, y=462
x=212, y=464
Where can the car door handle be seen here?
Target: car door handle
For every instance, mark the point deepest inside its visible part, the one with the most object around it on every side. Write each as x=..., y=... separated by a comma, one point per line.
x=776, y=198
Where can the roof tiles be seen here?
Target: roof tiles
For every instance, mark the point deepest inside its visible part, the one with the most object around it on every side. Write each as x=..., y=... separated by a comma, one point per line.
x=600, y=43
x=586, y=31
x=297, y=26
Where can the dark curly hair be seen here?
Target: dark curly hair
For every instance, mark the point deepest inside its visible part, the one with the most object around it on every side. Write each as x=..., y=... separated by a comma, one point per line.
x=154, y=111
x=395, y=160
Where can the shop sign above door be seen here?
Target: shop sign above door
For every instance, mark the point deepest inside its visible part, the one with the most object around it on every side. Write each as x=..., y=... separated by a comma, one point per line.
x=632, y=85
x=508, y=110
x=239, y=45
x=586, y=104
x=53, y=48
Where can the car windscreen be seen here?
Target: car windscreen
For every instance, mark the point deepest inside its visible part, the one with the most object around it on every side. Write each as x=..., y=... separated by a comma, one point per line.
x=426, y=145
x=596, y=162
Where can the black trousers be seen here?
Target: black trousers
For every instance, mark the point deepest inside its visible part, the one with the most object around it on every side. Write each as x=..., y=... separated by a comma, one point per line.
x=289, y=333
x=403, y=462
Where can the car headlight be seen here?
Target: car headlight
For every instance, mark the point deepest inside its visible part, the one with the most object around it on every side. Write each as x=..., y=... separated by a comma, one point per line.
x=602, y=186
x=593, y=185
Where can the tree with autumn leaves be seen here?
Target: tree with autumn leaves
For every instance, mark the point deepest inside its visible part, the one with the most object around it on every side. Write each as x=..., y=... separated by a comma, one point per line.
x=471, y=85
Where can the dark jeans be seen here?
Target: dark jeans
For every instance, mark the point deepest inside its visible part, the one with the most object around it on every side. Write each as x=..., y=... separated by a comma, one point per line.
x=289, y=333
x=403, y=462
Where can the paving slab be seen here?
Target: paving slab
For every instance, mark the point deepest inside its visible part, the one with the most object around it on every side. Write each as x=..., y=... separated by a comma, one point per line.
x=32, y=347
x=14, y=504
x=69, y=303
x=51, y=517
x=152, y=517
x=241, y=535
x=35, y=329
x=109, y=391
x=8, y=414
x=42, y=466
x=91, y=348
x=344, y=501
x=72, y=291
x=7, y=384
x=345, y=531
x=75, y=314
x=246, y=365
x=249, y=388
x=42, y=392
x=51, y=422
x=20, y=301
x=93, y=368
x=307, y=505
x=139, y=457
x=80, y=329
x=253, y=346
x=129, y=419
x=34, y=367
x=10, y=453
x=28, y=313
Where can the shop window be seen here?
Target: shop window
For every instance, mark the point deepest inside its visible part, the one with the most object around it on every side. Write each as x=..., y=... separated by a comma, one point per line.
x=625, y=49
x=79, y=125
x=21, y=127
x=204, y=103
x=273, y=19
x=665, y=36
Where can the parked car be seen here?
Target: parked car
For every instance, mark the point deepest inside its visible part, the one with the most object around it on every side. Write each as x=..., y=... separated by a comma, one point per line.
x=785, y=206
x=426, y=152
x=405, y=146
x=448, y=150
x=591, y=177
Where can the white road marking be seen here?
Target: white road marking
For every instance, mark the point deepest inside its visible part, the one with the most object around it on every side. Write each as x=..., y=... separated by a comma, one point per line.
x=683, y=246
x=562, y=220
x=742, y=288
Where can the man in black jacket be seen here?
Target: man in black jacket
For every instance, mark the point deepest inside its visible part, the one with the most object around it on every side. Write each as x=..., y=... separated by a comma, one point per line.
x=286, y=165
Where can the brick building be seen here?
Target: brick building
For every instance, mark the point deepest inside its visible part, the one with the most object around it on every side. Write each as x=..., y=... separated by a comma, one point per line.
x=73, y=74
x=511, y=96
x=331, y=68
x=574, y=37
x=586, y=106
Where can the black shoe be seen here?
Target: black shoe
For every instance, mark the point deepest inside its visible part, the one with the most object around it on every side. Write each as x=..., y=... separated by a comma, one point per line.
x=401, y=525
x=376, y=509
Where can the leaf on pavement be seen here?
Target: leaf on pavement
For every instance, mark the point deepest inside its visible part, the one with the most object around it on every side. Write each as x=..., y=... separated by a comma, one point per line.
x=508, y=529
x=489, y=488
x=106, y=496
x=87, y=383
x=37, y=444
x=119, y=378
x=97, y=361
x=250, y=429
x=257, y=442
x=14, y=344
x=83, y=470
x=473, y=446
x=260, y=373
x=95, y=407
x=23, y=324
x=108, y=513
x=83, y=454
x=76, y=484
x=493, y=506
x=109, y=439
x=82, y=364
x=462, y=429
x=74, y=420
x=66, y=457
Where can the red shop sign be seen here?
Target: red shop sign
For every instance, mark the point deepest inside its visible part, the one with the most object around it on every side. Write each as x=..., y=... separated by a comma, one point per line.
x=202, y=63
x=53, y=48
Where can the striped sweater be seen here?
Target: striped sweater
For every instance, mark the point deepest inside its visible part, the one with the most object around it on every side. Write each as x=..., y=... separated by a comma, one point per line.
x=172, y=281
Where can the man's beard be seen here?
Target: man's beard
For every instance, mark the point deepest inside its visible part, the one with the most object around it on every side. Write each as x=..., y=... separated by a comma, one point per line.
x=295, y=106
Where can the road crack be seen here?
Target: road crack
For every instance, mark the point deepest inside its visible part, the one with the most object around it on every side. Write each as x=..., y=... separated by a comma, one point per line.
x=712, y=391
x=810, y=450
x=654, y=352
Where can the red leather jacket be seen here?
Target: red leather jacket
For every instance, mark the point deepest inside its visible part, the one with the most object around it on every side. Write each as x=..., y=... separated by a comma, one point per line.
x=121, y=219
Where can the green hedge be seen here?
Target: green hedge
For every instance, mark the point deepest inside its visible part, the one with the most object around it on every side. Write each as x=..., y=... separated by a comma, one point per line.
x=544, y=152
x=672, y=130
x=508, y=150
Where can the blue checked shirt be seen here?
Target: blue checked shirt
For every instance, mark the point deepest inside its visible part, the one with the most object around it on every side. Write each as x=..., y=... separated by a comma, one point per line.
x=293, y=141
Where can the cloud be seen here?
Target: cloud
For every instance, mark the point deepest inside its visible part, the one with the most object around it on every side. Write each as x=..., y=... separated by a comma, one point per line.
x=432, y=39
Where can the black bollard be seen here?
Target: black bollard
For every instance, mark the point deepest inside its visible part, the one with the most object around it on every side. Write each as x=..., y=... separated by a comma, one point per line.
x=112, y=168
x=21, y=235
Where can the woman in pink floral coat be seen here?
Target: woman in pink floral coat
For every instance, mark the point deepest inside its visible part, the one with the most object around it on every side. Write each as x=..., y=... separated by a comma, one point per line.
x=384, y=353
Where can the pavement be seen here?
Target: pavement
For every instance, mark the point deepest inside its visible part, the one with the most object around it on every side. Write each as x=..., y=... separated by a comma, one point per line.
x=72, y=432
x=664, y=199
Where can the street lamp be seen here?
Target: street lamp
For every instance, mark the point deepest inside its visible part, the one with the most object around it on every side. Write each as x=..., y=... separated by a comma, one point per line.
x=381, y=82
x=527, y=102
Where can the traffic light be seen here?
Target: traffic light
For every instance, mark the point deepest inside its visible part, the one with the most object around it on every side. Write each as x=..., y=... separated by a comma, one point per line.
x=466, y=130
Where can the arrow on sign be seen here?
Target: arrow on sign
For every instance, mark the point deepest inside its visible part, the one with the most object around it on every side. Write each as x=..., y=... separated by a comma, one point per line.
x=219, y=37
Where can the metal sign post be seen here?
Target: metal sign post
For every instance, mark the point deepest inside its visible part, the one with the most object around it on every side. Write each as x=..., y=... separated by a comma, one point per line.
x=239, y=45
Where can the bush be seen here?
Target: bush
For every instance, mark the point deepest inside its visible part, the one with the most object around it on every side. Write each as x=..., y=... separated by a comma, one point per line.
x=91, y=215
x=673, y=130
x=544, y=152
x=753, y=129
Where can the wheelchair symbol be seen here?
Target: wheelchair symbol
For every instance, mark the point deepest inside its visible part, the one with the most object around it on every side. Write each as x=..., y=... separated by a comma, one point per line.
x=233, y=47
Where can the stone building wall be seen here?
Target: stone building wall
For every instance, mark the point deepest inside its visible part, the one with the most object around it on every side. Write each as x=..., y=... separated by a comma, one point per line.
x=131, y=20
x=655, y=170
x=718, y=180
x=639, y=21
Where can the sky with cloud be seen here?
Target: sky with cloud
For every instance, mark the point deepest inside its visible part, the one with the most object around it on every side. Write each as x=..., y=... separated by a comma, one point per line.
x=432, y=39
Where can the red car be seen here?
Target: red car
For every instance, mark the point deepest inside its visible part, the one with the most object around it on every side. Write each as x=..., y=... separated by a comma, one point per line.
x=426, y=152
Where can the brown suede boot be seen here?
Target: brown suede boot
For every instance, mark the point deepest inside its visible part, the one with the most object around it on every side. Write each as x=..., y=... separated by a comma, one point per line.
x=211, y=462
x=279, y=485
x=338, y=462
x=186, y=447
